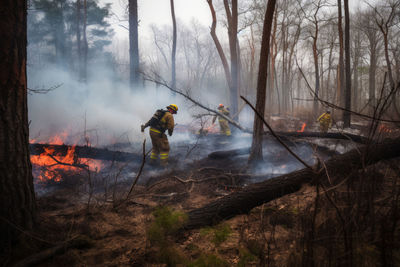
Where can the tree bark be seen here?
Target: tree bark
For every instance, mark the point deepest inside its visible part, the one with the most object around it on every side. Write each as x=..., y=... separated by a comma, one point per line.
x=78, y=36
x=218, y=44
x=232, y=18
x=133, y=44
x=243, y=201
x=85, y=43
x=173, y=55
x=357, y=56
x=371, y=33
x=340, y=89
x=347, y=105
x=258, y=128
x=17, y=198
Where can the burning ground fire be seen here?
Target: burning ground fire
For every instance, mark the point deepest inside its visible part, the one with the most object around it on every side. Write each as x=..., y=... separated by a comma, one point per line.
x=302, y=128
x=52, y=165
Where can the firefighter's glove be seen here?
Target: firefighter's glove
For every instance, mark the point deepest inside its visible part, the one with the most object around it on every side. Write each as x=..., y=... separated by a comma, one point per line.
x=142, y=128
x=169, y=132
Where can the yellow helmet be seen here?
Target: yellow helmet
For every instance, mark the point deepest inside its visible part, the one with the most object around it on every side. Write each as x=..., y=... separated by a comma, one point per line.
x=173, y=107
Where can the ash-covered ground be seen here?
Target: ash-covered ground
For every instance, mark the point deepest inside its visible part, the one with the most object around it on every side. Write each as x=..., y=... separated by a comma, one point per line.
x=188, y=153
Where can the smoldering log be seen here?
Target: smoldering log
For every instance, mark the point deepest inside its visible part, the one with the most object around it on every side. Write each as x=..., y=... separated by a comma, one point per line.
x=344, y=136
x=243, y=201
x=86, y=152
x=223, y=154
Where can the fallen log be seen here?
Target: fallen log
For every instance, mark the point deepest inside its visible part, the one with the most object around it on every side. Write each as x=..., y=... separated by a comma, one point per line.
x=223, y=154
x=343, y=136
x=86, y=152
x=243, y=201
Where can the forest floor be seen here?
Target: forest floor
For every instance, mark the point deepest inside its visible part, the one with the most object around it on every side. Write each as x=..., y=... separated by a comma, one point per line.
x=142, y=230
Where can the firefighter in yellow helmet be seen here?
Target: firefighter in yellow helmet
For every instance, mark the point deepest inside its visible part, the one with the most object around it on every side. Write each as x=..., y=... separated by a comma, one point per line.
x=223, y=123
x=161, y=121
x=325, y=121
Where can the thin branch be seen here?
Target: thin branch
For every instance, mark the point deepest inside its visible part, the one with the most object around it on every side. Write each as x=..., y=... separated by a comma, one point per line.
x=44, y=90
x=140, y=169
x=331, y=105
x=159, y=81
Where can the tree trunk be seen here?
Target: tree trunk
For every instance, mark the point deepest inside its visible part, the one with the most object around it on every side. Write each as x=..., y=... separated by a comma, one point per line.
x=85, y=43
x=173, y=55
x=271, y=77
x=232, y=18
x=357, y=55
x=340, y=88
x=347, y=114
x=17, y=198
x=78, y=37
x=133, y=45
x=315, y=55
x=258, y=128
x=373, y=46
x=218, y=44
x=243, y=201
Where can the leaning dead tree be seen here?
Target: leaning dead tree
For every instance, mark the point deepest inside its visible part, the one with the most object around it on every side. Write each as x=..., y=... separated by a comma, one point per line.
x=243, y=201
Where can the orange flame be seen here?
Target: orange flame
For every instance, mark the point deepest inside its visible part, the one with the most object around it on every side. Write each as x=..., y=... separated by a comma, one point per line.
x=302, y=128
x=384, y=129
x=52, y=163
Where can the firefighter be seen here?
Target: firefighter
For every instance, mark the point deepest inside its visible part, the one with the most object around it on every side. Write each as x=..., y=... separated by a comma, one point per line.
x=223, y=123
x=161, y=121
x=325, y=121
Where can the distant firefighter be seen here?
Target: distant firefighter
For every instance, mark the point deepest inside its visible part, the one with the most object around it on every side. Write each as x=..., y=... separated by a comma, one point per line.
x=223, y=123
x=325, y=121
x=161, y=121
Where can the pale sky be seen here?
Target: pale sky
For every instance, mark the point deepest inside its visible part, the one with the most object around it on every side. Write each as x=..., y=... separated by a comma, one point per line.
x=159, y=12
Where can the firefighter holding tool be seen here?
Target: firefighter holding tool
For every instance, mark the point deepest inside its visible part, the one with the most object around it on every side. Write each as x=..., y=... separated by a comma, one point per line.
x=223, y=123
x=161, y=121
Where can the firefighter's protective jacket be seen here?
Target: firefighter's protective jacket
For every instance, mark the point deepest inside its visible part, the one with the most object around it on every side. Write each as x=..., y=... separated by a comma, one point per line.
x=223, y=123
x=325, y=119
x=161, y=121
x=223, y=111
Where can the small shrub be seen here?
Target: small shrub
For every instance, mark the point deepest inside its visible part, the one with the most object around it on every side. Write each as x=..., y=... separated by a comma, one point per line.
x=171, y=256
x=209, y=260
x=219, y=233
x=245, y=257
x=167, y=222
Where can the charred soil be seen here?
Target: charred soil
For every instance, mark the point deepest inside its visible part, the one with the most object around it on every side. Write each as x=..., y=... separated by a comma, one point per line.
x=354, y=222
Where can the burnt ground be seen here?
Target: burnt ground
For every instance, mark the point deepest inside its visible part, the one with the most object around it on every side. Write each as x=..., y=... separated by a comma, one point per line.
x=115, y=230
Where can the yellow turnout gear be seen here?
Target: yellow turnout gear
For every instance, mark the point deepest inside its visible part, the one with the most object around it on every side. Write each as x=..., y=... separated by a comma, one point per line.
x=223, y=123
x=159, y=139
x=325, y=122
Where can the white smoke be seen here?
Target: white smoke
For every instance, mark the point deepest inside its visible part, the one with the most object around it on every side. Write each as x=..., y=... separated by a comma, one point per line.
x=111, y=111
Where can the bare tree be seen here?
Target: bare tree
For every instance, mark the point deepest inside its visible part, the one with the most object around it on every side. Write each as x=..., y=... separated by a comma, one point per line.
x=340, y=87
x=232, y=18
x=85, y=42
x=78, y=36
x=369, y=28
x=17, y=198
x=133, y=44
x=346, y=114
x=314, y=21
x=384, y=19
x=258, y=128
x=232, y=74
x=173, y=54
